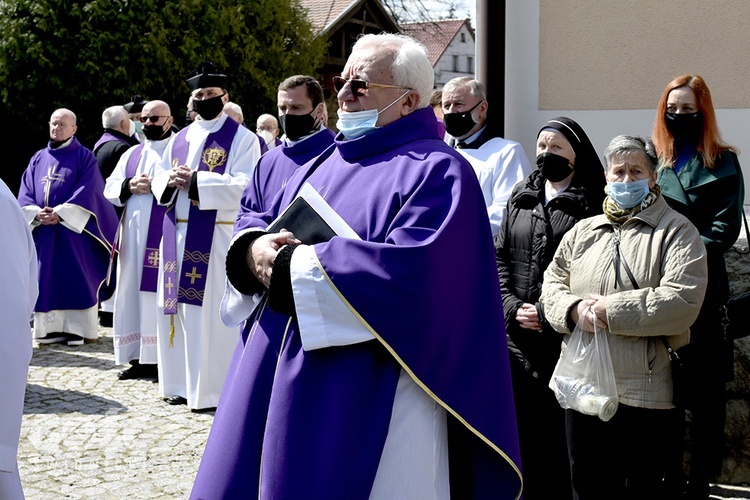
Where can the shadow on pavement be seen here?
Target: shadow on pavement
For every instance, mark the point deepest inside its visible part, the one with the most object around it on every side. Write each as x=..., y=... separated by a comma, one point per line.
x=41, y=399
x=61, y=355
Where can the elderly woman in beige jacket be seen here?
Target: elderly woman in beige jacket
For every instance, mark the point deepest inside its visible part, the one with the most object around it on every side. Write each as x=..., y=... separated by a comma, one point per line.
x=638, y=271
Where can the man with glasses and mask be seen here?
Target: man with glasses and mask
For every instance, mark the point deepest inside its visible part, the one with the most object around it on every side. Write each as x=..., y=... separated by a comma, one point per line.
x=129, y=186
x=201, y=177
x=498, y=163
x=368, y=359
x=73, y=227
x=302, y=114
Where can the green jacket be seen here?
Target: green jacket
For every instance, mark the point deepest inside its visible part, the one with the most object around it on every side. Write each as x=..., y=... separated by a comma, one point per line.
x=712, y=200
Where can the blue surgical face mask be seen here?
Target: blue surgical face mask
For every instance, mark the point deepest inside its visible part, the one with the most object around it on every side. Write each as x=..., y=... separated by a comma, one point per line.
x=628, y=194
x=358, y=123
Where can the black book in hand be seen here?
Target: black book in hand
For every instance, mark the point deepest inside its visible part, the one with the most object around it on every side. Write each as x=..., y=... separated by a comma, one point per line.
x=302, y=220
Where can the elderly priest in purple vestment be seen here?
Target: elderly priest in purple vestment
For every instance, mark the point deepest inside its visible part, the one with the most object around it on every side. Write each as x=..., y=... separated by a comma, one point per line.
x=73, y=227
x=372, y=364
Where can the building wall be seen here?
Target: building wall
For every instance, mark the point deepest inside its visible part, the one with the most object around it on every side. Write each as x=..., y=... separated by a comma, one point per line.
x=605, y=64
x=462, y=50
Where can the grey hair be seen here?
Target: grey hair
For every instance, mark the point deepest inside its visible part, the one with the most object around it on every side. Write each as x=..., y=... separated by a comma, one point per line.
x=113, y=116
x=411, y=68
x=475, y=86
x=234, y=107
x=628, y=145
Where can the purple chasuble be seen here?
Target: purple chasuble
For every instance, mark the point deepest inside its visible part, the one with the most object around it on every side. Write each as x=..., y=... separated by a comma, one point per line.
x=274, y=169
x=197, y=252
x=312, y=424
x=107, y=137
x=72, y=266
x=150, y=276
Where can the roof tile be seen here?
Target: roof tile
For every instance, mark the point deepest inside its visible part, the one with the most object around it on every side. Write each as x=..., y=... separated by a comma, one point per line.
x=434, y=35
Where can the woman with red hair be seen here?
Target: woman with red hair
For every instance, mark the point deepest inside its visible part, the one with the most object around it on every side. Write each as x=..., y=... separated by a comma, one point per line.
x=701, y=178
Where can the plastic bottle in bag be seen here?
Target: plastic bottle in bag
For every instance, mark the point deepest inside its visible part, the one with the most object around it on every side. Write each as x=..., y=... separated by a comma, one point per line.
x=581, y=395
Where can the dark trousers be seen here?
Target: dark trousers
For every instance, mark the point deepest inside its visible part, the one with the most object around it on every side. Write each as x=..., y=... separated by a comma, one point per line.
x=637, y=455
x=541, y=435
x=708, y=413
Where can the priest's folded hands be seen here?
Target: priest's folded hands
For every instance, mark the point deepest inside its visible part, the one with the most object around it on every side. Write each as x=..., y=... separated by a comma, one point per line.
x=180, y=177
x=262, y=253
x=140, y=184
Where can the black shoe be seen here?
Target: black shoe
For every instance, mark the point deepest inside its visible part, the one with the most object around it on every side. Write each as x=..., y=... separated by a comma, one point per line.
x=176, y=400
x=105, y=319
x=75, y=340
x=203, y=410
x=138, y=370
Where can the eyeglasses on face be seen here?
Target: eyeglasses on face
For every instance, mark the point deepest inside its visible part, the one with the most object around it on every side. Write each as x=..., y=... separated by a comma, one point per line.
x=360, y=87
x=60, y=125
x=152, y=119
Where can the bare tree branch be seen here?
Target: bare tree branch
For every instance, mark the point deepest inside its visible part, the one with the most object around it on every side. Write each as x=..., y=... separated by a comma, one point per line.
x=408, y=11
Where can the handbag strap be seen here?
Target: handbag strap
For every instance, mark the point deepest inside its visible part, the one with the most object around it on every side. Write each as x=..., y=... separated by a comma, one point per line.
x=619, y=258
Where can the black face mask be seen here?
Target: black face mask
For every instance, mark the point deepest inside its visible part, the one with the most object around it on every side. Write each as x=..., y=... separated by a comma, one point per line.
x=209, y=108
x=459, y=124
x=153, y=132
x=686, y=127
x=296, y=126
x=555, y=168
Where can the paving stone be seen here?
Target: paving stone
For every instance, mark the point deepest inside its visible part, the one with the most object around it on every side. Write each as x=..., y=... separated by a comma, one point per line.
x=86, y=434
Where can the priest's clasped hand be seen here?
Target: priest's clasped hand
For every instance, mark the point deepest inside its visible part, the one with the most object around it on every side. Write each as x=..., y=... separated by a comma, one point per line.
x=140, y=184
x=180, y=177
x=47, y=217
x=262, y=253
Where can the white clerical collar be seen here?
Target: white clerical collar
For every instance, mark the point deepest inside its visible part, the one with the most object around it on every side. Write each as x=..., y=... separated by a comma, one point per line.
x=208, y=124
x=159, y=143
x=288, y=142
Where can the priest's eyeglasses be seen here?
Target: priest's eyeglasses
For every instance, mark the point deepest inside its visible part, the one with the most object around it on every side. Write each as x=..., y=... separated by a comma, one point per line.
x=152, y=119
x=60, y=125
x=360, y=87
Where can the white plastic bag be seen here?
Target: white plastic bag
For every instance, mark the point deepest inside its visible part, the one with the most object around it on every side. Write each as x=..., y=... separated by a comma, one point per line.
x=583, y=379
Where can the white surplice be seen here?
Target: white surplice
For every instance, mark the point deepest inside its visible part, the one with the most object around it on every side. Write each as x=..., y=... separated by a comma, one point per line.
x=499, y=164
x=196, y=365
x=135, y=312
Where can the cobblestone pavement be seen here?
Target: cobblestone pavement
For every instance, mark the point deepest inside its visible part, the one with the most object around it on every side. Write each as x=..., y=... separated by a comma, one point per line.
x=88, y=435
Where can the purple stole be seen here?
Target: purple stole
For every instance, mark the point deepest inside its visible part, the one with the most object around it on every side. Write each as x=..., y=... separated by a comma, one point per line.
x=195, y=257
x=150, y=275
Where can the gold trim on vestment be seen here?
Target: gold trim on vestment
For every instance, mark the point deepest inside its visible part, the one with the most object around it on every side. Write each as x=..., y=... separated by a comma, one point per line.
x=416, y=380
x=185, y=221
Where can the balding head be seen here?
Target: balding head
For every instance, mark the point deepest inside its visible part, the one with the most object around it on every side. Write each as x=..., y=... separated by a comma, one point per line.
x=156, y=108
x=62, y=125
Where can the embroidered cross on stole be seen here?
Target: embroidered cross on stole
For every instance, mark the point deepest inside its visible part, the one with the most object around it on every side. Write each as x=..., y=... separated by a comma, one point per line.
x=191, y=284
